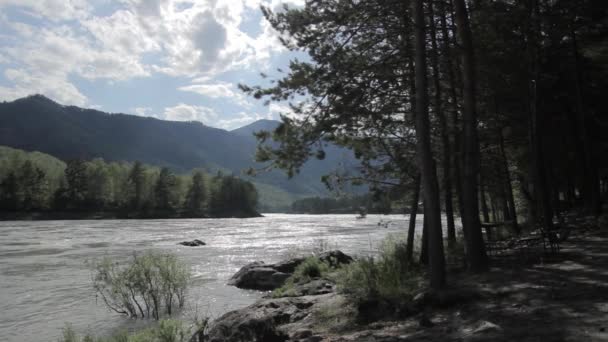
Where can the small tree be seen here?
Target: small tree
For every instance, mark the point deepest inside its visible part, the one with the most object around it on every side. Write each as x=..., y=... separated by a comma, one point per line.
x=195, y=199
x=150, y=285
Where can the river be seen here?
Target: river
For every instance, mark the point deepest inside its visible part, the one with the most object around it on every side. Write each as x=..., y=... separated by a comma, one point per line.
x=45, y=281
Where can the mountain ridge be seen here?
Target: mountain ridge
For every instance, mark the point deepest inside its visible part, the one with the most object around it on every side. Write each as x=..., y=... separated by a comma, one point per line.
x=36, y=123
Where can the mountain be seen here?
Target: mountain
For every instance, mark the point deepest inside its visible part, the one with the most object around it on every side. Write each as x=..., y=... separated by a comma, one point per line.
x=260, y=125
x=36, y=123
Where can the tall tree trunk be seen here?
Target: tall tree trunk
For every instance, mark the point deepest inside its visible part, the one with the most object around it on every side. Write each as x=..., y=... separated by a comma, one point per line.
x=509, y=186
x=455, y=153
x=445, y=139
x=424, y=241
x=428, y=171
x=541, y=191
x=591, y=188
x=484, y=203
x=409, y=248
x=476, y=253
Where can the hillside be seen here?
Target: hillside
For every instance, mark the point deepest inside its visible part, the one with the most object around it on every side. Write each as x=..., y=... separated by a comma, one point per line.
x=36, y=123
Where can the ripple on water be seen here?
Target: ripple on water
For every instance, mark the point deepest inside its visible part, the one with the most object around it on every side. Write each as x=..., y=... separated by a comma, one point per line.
x=45, y=283
x=34, y=252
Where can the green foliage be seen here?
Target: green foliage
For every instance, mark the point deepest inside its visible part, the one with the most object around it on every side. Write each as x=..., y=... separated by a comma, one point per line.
x=31, y=182
x=388, y=275
x=165, y=331
x=164, y=190
x=309, y=269
x=150, y=285
x=312, y=267
x=232, y=195
x=197, y=194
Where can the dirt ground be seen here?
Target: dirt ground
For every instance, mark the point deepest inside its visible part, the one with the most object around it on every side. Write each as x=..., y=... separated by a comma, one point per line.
x=557, y=298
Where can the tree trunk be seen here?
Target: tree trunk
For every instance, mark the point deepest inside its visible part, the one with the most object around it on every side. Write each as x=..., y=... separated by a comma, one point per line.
x=541, y=191
x=484, y=204
x=591, y=188
x=445, y=139
x=476, y=253
x=509, y=186
x=409, y=248
x=424, y=241
x=428, y=171
x=455, y=151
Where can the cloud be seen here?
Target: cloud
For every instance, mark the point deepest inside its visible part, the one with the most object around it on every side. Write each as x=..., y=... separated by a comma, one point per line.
x=54, y=86
x=55, y=10
x=143, y=111
x=242, y=120
x=69, y=40
x=219, y=90
x=184, y=112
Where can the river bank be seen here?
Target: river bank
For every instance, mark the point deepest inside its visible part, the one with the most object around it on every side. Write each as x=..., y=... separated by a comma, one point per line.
x=111, y=215
x=557, y=298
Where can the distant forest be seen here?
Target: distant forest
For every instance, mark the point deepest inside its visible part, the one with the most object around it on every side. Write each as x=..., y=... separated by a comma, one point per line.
x=37, y=185
x=369, y=203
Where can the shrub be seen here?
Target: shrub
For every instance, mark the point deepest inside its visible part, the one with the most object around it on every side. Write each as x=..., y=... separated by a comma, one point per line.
x=309, y=269
x=165, y=331
x=151, y=284
x=388, y=275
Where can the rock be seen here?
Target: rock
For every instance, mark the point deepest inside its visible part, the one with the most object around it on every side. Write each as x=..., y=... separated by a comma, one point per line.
x=288, y=266
x=335, y=258
x=193, y=243
x=485, y=326
x=261, y=276
x=258, y=276
x=264, y=321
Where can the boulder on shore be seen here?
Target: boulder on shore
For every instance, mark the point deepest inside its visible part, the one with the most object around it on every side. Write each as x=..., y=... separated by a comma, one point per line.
x=268, y=320
x=193, y=243
x=264, y=277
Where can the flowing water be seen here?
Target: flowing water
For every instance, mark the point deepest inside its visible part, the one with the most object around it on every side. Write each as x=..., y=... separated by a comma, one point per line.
x=45, y=281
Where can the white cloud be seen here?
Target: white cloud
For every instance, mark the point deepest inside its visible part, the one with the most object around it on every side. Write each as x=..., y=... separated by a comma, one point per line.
x=185, y=38
x=242, y=120
x=143, y=111
x=277, y=109
x=184, y=112
x=219, y=90
x=54, y=86
x=52, y=9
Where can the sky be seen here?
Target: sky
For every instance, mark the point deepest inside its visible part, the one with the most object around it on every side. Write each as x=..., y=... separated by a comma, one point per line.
x=169, y=59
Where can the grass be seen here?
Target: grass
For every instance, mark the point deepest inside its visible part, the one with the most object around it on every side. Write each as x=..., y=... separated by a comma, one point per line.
x=388, y=275
x=168, y=330
x=310, y=268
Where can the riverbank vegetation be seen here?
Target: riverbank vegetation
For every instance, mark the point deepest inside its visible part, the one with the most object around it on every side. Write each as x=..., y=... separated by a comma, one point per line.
x=430, y=100
x=36, y=185
x=165, y=331
x=369, y=203
x=149, y=286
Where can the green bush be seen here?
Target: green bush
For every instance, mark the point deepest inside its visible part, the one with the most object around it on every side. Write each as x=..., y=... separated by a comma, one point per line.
x=165, y=331
x=309, y=269
x=148, y=286
x=388, y=275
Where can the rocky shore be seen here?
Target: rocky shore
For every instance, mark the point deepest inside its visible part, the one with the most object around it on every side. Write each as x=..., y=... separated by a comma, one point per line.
x=562, y=300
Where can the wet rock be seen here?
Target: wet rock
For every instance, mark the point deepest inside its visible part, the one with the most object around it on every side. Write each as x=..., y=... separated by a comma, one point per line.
x=258, y=276
x=193, y=243
x=261, y=276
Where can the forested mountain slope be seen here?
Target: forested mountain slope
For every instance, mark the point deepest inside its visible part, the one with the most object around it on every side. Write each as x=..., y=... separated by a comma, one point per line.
x=36, y=123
